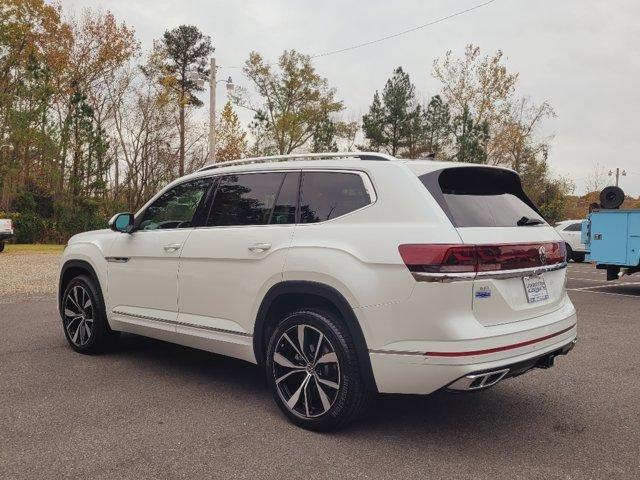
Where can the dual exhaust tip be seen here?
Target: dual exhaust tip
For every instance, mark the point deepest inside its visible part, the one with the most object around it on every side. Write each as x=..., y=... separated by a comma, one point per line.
x=478, y=381
x=483, y=380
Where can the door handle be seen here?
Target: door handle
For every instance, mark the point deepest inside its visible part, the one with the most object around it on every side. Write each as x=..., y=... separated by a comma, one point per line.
x=172, y=247
x=259, y=247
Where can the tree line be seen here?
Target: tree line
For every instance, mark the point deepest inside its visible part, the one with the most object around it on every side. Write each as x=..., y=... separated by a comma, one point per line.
x=91, y=123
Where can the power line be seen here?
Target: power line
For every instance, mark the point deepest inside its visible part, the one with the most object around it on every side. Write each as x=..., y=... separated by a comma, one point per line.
x=398, y=34
x=404, y=32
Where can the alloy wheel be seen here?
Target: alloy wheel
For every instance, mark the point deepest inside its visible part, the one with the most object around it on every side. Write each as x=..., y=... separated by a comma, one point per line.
x=306, y=371
x=78, y=315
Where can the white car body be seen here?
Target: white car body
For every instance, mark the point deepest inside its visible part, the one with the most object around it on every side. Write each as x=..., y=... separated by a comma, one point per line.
x=6, y=230
x=206, y=287
x=569, y=230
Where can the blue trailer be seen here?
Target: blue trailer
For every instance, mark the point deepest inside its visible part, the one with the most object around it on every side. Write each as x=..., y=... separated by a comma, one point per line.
x=612, y=240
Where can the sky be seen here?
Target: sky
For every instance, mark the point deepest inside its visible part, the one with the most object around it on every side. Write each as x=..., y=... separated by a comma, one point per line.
x=582, y=56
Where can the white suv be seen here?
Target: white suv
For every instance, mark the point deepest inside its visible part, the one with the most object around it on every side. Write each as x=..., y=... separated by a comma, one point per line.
x=339, y=274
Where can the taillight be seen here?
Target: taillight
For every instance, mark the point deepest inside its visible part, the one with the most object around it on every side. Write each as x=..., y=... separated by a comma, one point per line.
x=445, y=258
x=437, y=258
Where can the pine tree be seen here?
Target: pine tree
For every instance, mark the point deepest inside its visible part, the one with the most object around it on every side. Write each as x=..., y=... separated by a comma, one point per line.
x=232, y=140
x=393, y=122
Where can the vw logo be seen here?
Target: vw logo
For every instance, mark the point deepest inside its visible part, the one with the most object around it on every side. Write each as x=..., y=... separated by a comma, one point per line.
x=542, y=253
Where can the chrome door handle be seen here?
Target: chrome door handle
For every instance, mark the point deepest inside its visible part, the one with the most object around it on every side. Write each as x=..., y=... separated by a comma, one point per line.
x=259, y=247
x=172, y=247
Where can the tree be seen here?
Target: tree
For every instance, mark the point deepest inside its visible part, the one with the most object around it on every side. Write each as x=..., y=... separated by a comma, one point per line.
x=294, y=100
x=470, y=138
x=437, y=126
x=232, y=140
x=184, y=50
x=394, y=121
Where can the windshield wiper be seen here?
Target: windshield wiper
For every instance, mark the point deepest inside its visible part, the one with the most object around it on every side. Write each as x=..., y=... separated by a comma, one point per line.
x=527, y=222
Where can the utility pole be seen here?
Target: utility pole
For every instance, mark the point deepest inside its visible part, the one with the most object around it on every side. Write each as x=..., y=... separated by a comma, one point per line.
x=618, y=173
x=212, y=112
x=213, y=82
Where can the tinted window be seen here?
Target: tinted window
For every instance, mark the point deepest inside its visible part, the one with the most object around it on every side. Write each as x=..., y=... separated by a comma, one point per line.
x=245, y=199
x=574, y=227
x=326, y=195
x=176, y=207
x=287, y=202
x=480, y=196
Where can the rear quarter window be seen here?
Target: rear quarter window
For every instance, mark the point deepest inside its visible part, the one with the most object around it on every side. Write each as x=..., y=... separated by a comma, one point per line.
x=328, y=195
x=480, y=196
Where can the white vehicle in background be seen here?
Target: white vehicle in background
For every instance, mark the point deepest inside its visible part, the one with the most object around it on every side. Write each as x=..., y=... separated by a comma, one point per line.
x=6, y=232
x=570, y=230
x=339, y=274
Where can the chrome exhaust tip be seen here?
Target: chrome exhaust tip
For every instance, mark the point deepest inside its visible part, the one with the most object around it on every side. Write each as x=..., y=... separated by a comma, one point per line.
x=478, y=381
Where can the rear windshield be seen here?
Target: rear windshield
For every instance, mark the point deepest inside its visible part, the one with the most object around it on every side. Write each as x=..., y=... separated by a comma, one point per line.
x=481, y=197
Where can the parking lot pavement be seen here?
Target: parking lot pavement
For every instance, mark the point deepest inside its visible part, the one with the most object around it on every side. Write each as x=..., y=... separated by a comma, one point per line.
x=154, y=410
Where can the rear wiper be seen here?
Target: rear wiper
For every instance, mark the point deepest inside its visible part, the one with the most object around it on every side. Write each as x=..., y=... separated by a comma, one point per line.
x=526, y=222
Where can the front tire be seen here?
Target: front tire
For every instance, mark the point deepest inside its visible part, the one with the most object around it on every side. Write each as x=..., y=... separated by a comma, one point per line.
x=578, y=257
x=313, y=371
x=1, y=246
x=83, y=316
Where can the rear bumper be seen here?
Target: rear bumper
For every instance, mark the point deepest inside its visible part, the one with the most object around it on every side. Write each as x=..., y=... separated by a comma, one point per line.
x=424, y=373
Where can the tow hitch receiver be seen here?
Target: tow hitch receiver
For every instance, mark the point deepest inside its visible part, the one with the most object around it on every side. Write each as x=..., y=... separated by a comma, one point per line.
x=547, y=360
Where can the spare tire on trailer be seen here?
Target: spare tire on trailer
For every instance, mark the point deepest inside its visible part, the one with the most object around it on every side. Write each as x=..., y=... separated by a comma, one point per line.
x=611, y=197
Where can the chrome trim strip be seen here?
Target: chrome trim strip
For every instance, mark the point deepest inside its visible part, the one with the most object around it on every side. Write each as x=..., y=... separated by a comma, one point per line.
x=523, y=272
x=182, y=324
x=458, y=277
x=443, y=277
x=117, y=259
x=396, y=352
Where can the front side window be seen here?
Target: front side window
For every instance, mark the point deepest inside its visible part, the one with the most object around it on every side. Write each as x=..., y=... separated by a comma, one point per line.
x=327, y=195
x=245, y=199
x=176, y=207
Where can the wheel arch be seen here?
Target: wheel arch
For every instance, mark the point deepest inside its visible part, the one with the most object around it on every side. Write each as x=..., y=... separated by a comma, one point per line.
x=71, y=269
x=289, y=295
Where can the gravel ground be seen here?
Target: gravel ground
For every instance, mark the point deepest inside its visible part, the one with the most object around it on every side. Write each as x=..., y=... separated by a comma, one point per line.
x=28, y=273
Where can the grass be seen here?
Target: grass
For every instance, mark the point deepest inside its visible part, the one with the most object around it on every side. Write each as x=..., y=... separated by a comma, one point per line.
x=32, y=248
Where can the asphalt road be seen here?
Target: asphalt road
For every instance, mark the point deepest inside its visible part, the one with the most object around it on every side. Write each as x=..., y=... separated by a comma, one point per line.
x=155, y=410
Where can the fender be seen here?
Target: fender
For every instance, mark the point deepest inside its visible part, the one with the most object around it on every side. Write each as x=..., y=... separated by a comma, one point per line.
x=329, y=294
x=76, y=264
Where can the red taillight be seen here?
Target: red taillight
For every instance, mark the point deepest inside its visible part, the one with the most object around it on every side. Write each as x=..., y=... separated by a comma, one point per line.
x=439, y=258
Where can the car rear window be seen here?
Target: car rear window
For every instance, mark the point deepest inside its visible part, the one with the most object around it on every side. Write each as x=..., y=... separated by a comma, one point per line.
x=480, y=196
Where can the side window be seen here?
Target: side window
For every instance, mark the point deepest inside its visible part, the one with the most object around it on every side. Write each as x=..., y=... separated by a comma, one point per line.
x=327, y=195
x=574, y=227
x=245, y=199
x=285, y=209
x=176, y=207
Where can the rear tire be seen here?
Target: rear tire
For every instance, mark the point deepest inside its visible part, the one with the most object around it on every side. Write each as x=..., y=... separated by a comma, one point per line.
x=578, y=257
x=569, y=252
x=313, y=372
x=84, y=319
x=1, y=246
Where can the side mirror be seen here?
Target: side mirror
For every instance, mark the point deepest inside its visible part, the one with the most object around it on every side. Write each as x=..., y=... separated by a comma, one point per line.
x=122, y=222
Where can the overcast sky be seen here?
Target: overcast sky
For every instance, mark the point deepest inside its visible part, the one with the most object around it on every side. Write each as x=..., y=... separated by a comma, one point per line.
x=583, y=56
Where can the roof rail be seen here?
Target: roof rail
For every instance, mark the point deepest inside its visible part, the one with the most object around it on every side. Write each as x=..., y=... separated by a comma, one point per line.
x=301, y=156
